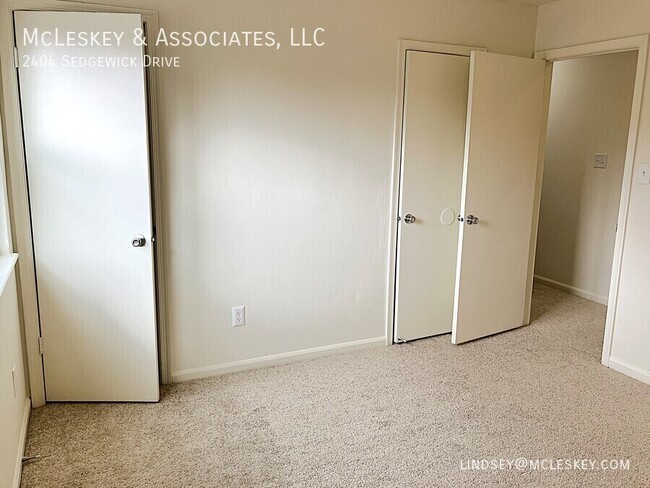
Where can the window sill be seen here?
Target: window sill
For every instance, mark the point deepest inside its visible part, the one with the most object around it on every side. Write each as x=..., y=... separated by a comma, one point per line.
x=7, y=263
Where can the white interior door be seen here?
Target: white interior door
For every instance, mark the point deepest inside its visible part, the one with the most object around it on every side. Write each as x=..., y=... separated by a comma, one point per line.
x=433, y=137
x=86, y=146
x=504, y=126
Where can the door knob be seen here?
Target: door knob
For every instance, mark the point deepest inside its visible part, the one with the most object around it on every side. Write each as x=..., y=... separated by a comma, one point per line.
x=138, y=241
x=409, y=219
x=471, y=220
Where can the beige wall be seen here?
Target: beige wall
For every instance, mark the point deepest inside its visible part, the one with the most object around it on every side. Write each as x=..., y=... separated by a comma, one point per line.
x=12, y=403
x=14, y=396
x=591, y=100
x=278, y=167
x=572, y=22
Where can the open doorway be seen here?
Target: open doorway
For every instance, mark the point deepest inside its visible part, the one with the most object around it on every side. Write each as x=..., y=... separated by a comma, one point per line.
x=590, y=111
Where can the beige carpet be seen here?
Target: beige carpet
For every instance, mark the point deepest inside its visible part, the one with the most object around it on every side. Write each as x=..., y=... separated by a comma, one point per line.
x=404, y=416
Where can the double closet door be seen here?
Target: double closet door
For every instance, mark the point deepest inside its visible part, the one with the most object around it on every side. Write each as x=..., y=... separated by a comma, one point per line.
x=471, y=132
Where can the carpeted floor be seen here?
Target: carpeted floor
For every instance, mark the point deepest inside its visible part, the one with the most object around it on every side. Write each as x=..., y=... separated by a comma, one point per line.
x=405, y=416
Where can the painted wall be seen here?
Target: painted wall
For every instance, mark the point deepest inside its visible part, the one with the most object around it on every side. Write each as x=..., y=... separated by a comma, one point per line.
x=13, y=392
x=279, y=167
x=572, y=22
x=591, y=101
x=14, y=399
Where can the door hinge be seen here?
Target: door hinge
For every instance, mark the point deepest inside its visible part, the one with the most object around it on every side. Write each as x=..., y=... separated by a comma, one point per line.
x=15, y=57
x=40, y=346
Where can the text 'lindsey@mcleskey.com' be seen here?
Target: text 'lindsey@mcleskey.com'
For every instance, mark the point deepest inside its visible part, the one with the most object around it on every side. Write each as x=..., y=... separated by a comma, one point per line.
x=547, y=464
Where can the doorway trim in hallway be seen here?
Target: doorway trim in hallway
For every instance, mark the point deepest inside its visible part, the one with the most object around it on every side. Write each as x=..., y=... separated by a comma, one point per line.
x=639, y=44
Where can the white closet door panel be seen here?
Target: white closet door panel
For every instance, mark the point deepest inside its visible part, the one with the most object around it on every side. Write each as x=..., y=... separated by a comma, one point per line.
x=501, y=156
x=86, y=145
x=435, y=109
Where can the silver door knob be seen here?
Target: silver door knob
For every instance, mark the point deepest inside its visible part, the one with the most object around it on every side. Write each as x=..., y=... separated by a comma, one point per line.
x=471, y=220
x=409, y=219
x=138, y=241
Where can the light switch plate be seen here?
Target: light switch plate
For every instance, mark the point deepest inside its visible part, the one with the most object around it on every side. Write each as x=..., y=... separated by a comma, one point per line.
x=600, y=160
x=643, y=174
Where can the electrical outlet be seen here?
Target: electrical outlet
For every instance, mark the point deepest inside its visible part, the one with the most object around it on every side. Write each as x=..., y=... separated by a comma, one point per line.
x=238, y=316
x=600, y=160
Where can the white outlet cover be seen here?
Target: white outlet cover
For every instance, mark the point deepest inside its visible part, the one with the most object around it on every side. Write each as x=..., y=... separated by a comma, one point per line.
x=238, y=316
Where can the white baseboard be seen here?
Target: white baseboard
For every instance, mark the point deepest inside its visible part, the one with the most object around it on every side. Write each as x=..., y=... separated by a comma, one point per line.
x=629, y=370
x=275, y=359
x=23, y=440
x=573, y=290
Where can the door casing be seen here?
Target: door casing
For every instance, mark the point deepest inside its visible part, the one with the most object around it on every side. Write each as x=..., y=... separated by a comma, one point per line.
x=18, y=191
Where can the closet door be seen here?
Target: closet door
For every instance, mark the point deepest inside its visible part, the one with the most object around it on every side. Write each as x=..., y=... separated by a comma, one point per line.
x=504, y=127
x=86, y=146
x=433, y=135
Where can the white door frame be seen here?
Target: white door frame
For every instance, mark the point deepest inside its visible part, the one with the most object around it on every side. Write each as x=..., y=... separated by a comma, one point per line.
x=18, y=191
x=636, y=43
x=404, y=45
